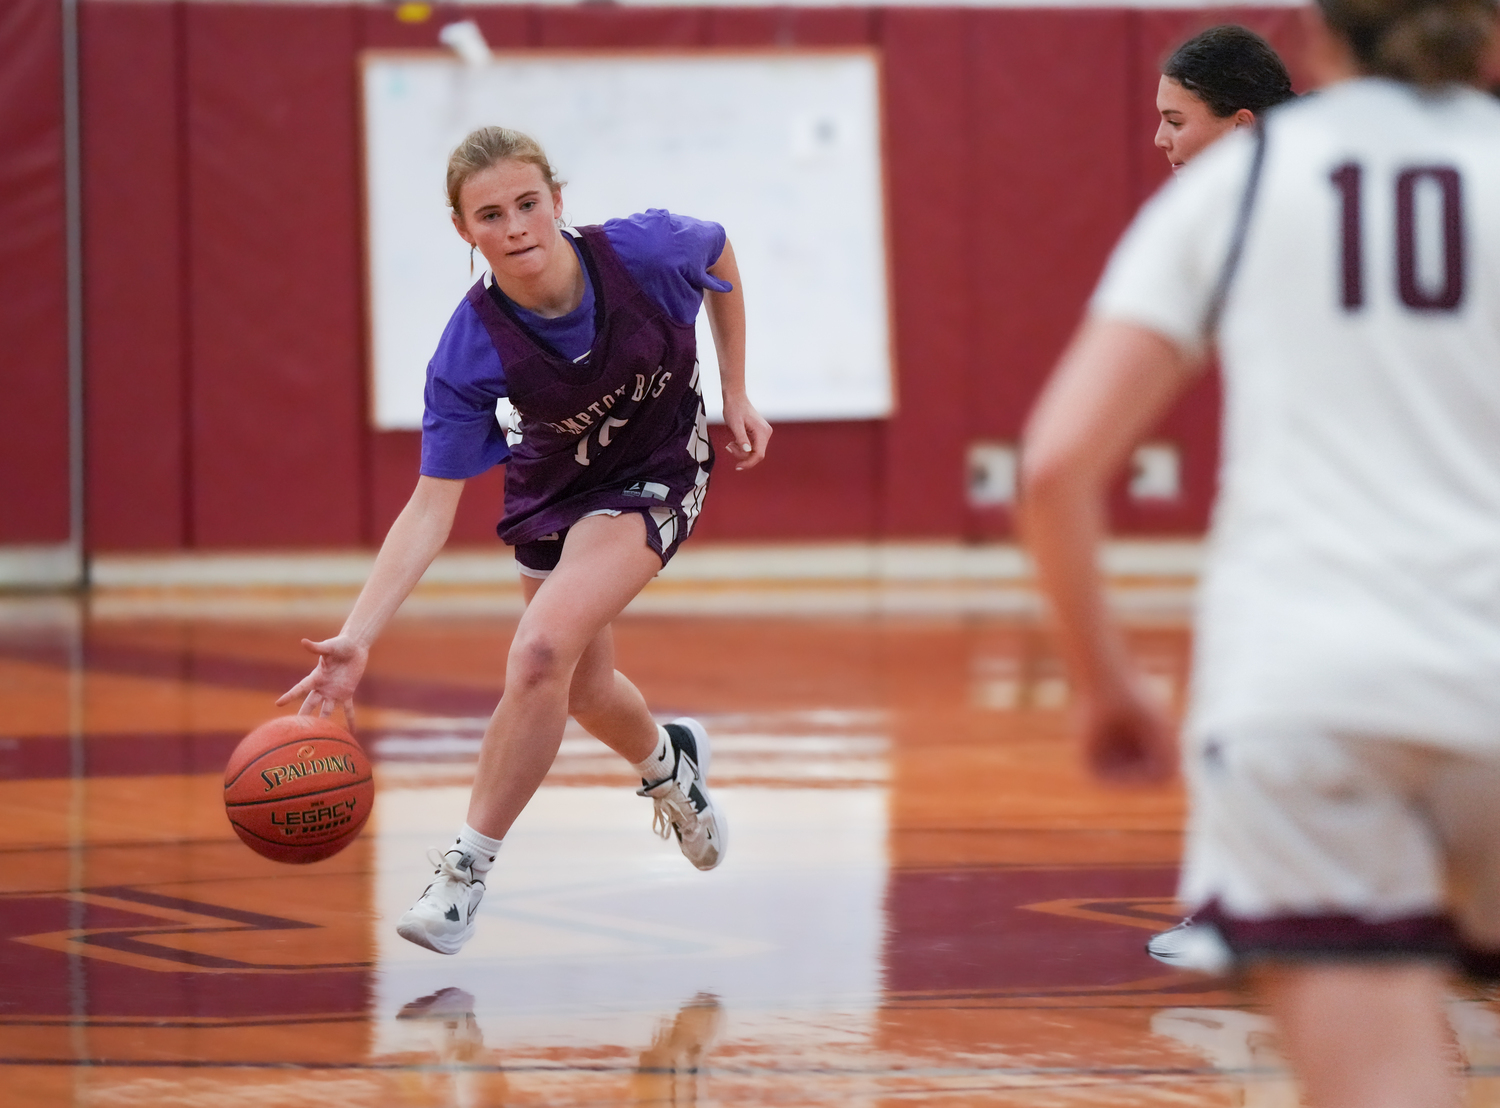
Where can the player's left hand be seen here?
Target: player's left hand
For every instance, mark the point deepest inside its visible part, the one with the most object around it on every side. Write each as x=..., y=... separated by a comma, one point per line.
x=748, y=432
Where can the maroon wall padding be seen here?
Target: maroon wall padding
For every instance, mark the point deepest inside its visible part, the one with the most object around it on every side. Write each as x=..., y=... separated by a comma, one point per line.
x=832, y=496
x=133, y=305
x=277, y=366
x=34, y=485
x=1017, y=144
x=394, y=458
x=929, y=203
x=1051, y=157
x=792, y=26
x=504, y=27
x=610, y=27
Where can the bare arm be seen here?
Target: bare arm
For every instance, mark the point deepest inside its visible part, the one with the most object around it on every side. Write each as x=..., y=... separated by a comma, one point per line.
x=409, y=548
x=749, y=433
x=1113, y=383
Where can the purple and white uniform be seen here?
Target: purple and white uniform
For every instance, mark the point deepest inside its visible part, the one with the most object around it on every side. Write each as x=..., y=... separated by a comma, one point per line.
x=608, y=396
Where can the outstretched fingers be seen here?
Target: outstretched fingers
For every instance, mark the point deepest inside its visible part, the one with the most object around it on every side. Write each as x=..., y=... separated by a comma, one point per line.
x=332, y=682
x=301, y=688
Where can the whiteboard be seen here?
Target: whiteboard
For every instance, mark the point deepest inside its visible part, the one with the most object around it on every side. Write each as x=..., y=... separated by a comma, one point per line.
x=781, y=148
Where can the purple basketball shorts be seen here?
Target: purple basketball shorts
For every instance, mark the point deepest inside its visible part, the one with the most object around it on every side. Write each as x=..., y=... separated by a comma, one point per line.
x=664, y=534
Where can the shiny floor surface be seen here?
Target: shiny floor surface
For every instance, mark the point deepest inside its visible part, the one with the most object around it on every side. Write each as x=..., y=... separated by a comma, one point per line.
x=923, y=902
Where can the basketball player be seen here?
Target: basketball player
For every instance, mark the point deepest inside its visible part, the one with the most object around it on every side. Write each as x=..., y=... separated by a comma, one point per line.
x=590, y=335
x=1216, y=82
x=1343, y=742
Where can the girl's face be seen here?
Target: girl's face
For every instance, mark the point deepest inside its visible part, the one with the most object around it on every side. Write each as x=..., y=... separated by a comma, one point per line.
x=510, y=214
x=1187, y=124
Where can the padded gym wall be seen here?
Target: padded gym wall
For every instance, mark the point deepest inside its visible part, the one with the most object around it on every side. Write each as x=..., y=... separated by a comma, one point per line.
x=226, y=353
x=134, y=292
x=34, y=485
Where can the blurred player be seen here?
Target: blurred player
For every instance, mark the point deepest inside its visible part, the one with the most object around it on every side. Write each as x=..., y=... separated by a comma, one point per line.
x=590, y=334
x=1216, y=82
x=1343, y=742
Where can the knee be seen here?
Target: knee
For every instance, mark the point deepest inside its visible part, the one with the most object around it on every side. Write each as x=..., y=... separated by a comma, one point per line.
x=535, y=661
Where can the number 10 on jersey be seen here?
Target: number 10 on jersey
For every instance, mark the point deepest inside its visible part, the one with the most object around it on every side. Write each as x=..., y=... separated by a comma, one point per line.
x=1444, y=296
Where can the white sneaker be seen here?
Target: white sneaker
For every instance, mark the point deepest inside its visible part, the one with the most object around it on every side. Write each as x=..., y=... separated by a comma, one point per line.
x=683, y=806
x=442, y=919
x=1193, y=946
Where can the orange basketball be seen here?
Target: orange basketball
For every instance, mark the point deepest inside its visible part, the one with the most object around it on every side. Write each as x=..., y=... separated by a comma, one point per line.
x=298, y=789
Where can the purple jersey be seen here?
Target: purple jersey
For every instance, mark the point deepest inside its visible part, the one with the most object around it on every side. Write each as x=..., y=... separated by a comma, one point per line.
x=621, y=428
x=667, y=255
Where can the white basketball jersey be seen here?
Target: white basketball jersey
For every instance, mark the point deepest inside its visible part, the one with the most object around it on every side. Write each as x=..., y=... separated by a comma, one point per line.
x=1354, y=560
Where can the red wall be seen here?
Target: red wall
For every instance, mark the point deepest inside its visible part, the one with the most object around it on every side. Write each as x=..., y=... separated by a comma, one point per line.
x=226, y=350
x=33, y=277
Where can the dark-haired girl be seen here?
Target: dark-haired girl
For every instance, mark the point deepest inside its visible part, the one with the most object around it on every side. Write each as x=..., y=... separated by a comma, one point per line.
x=1215, y=82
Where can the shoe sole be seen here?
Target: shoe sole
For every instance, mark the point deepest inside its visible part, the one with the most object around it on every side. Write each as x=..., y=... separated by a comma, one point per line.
x=1167, y=947
x=705, y=757
x=416, y=933
x=1173, y=960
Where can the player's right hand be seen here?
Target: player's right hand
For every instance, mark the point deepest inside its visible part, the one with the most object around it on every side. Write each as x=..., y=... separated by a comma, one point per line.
x=341, y=663
x=1128, y=738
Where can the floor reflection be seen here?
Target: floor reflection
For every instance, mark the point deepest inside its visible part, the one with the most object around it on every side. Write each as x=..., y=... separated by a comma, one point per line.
x=671, y=1066
x=924, y=900
x=443, y=1051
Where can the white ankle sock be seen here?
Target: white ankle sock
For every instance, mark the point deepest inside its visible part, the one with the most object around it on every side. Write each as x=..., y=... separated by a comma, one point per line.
x=481, y=849
x=661, y=763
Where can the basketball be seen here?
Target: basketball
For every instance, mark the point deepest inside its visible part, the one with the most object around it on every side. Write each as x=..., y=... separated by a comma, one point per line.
x=298, y=789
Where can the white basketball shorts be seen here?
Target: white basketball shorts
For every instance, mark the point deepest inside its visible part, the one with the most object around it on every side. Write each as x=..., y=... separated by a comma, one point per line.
x=1308, y=844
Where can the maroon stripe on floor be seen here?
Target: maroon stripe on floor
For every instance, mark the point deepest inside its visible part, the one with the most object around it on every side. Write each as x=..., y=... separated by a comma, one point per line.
x=273, y=677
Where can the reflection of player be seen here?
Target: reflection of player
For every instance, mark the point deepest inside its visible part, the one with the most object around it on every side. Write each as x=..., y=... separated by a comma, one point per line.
x=590, y=334
x=1240, y=1045
x=669, y=1067
x=1344, y=738
x=442, y=1024
x=1216, y=82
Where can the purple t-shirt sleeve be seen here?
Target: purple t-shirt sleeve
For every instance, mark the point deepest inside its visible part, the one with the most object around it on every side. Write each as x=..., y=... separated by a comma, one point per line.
x=460, y=435
x=669, y=255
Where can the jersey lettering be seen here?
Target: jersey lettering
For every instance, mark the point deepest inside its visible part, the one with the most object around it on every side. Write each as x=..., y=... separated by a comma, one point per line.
x=1412, y=291
x=1346, y=178
x=1447, y=296
x=581, y=455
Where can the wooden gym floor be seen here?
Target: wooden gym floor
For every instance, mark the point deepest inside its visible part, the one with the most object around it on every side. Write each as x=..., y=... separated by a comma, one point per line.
x=924, y=901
